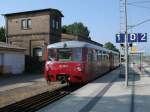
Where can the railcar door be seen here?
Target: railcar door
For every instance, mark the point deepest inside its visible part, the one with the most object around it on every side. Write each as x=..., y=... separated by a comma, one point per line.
x=99, y=62
x=111, y=58
x=90, y=64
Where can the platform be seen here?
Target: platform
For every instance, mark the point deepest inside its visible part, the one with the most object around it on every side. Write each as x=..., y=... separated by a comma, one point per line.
x=108, y=94
x=15, y=88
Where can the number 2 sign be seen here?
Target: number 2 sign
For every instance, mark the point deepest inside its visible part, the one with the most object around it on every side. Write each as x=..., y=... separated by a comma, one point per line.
x=142, y=37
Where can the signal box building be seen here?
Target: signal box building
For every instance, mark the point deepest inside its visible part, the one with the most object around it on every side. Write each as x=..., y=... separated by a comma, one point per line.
x=34, y=29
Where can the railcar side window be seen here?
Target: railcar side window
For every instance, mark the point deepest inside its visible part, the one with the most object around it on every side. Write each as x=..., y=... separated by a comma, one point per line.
x=98, y=55
x=94, y=55
x=90, y=55
x=77, y=54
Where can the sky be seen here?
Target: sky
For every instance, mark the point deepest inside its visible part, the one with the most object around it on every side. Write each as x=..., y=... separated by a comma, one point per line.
x=102, y=17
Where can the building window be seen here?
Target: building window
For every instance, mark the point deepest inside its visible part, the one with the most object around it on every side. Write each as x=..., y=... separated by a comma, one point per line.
x=37, y=51
x=53, y=23
x=25, y=23
x=57, y=25
x=29, y=23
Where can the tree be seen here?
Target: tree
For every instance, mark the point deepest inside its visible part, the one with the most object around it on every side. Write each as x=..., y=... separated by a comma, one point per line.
x=2, y=34
x=110, y=46
x=76, y=29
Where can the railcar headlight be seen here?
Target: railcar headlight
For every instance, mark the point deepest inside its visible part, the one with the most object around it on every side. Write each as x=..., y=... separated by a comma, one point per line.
x=46, y=67
x=79, y=69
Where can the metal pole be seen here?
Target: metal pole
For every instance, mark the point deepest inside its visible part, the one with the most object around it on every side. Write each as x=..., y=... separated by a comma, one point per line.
x=140, y=61
x=126, y=46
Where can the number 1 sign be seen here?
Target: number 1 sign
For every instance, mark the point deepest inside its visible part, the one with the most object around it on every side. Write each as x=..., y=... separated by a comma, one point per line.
x=120, y=38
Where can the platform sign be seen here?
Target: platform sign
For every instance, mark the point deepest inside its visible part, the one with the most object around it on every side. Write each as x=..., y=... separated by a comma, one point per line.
x=142, y=37
x=120, y=38
x=133, y=37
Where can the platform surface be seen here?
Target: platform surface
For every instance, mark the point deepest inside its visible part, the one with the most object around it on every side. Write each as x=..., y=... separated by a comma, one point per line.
x=108, y=94
x=14, y=88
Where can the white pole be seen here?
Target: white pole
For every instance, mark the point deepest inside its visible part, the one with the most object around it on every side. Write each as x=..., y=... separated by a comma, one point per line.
x=126, y=46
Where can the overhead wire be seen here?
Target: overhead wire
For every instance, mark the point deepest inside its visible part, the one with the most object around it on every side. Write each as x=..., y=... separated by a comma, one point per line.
x=140, y=6
x=139, y=2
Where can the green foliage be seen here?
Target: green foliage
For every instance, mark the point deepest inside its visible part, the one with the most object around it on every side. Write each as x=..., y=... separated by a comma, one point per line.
x=2, y=34
x=76, y=29
x=111, y=46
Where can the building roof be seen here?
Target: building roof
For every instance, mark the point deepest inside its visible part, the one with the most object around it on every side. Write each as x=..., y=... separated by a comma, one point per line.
x=68, y=37
x=33, y=11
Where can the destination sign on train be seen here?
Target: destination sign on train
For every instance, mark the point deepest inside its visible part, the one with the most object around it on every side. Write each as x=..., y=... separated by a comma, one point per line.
x=132, y=37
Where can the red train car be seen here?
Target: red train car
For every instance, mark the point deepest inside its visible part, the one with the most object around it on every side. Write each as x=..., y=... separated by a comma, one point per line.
x=78, y=62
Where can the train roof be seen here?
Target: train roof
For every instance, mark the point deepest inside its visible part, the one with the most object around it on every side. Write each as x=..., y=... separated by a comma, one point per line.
x=73, y=44
x=114, y=52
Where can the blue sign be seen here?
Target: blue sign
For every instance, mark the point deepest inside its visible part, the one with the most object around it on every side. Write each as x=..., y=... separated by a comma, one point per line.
x=120, y=38
x=142, y=37
x=133, y=37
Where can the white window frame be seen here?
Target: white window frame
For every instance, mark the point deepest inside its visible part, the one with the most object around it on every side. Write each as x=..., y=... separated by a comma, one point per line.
x=57, y=25
x=23, y=24
x=29, y=23
x=53, y=24
x=26, y=24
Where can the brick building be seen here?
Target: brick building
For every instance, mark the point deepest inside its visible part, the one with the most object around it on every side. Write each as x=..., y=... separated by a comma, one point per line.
x=34, y=29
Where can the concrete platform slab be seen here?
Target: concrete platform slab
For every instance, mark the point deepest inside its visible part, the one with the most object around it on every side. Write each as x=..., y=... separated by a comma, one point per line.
x=19, y=87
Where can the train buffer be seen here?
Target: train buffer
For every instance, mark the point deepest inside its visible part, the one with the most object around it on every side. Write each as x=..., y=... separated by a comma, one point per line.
x=108, y=94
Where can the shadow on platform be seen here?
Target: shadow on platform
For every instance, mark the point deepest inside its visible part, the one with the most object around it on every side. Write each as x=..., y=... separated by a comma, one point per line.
x=21, y=78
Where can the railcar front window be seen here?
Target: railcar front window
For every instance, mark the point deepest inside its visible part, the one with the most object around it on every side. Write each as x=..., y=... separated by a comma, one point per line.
x=64, y=54
x=52, y=54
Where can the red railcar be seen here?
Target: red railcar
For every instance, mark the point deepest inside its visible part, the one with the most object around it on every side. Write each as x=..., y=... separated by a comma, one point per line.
x=78, y=62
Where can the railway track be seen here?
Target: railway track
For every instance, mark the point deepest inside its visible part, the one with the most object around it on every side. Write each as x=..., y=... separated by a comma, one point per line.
x=35, y=103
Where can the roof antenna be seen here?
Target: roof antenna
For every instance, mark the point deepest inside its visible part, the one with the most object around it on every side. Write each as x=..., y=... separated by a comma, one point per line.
x=65, y=45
